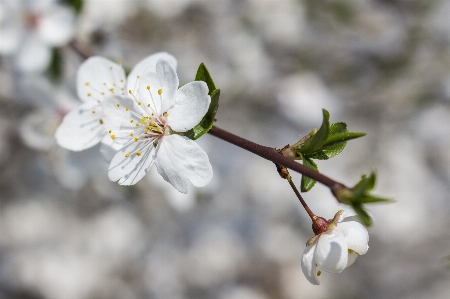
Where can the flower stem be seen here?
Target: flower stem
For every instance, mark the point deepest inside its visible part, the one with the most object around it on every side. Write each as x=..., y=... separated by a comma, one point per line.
x=300, y=198
x=271, y=154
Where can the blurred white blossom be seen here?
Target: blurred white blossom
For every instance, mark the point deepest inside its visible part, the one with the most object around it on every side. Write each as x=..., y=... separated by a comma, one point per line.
x=30, y=29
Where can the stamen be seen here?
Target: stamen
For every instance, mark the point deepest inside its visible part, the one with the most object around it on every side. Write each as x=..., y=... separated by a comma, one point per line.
x=148, y=87
x=127, y=155
x=137, y=125
x=126, y=109
x=87, y=83
x=131, y=120
x=138, y=153
x=93, y=111
x=139, y=103
x=131, y=134
x=101, y=121
x=165, y=114
x=118, y=105
x=110, y=131
x=136, y=139
x=159, y=91
x=319, y=272
x=89, y=94
x=113, y=137
x=130, y=91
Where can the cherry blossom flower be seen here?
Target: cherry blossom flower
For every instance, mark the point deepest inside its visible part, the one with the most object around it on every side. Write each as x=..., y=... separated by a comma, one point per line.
x=148, y=127
x=98, y=77
x=30, y=29
x=336, y=248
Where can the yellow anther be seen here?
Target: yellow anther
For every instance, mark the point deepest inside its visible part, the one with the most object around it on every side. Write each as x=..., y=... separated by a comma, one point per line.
x=113, y=137
x=138, y=153
x=148, y=105
x=101, y=121
x=122, y=89
x=110, y=131
x=146, y=131
x=127, y=155
x=130, y=91
x=87, y=83
x=111, y=90
x=319, y=272
x=131, y=134
x=165, y=114
x=103, y=93
x=131, y=120
x=138, y=77
x=121, y=80
x=148, y=86
x=126, y=109
x=120, y=62
x=143, y=120
x=98, y=101
x=136, y=139
x=137, y=125
x=93, y=111
x=152, y=123
x=118, y=105
x=89, y=94
x=110, y=68
x=139, y=103
x=160, y=91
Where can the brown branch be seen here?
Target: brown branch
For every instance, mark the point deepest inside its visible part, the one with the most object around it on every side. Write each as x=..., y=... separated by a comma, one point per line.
x=271, y=154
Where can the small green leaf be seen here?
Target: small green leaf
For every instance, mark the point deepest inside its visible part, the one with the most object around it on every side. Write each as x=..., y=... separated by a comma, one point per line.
x=203, y=75
x=208, y=120
x=364, y=185
x=371, y=199
x=317, y=141
x=363, y=215
x=54, y=69
x=307, y=183
x=77, y=5
x=328, y=152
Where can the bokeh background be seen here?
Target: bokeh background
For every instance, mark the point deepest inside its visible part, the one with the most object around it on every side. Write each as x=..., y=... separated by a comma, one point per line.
x=382, y=66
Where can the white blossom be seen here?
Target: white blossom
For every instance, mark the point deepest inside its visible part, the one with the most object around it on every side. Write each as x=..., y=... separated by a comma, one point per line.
x=30, y=29
x=335, y=249
x=99, y=77
x=146, y=127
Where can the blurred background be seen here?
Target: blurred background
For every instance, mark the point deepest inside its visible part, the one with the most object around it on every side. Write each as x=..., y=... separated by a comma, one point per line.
x=382, y=66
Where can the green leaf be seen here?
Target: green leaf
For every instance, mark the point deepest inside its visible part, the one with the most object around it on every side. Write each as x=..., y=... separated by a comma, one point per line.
x=317, y=141
x=364, y=185
x=208, y=120
x=77, y=5
x=307, y=183
x=203, y=75
x=329, y=152
x=371, y=199
x=363, y=215
x=54, y=69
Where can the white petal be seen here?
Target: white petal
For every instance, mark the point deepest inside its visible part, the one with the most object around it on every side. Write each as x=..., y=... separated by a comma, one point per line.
x=118, y=118
x=148, y=64
x=57, y=25
x=351, y=258
x=309, y=265
x=355, y=235
x=331, y=252
x=180, y=160
x=130, y=170
x=33, y=55
x=165, y=78
x=191, y=105
x=99, y=77
x=109, y=148
x=81, y=128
